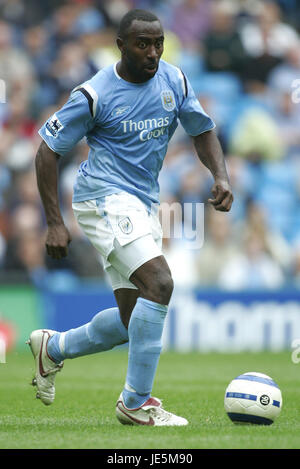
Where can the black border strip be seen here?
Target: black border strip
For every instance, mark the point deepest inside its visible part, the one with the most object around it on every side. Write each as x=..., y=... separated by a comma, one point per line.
x=88, y=97
x=185, y=84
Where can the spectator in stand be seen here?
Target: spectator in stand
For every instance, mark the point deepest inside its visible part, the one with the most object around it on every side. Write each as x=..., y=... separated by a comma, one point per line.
x=282, y=82
x=26, y=13
x=60, y=26
x=24, y=190
x=218, y=249
x=89, y=19
x=15, y=65
x=71, y=67
x=282, y=77
x=115, y=9
x=266, y=40
x=36, y=41
x=223, y=48
x=252, y=268
x=181, y=260
x=256, y=220
x=38, y=50
x=266, y=145
x=287, y=115
x=100, y=47
x=191, y=21
x=243, y=183
x=16, y=148
x=24, y=250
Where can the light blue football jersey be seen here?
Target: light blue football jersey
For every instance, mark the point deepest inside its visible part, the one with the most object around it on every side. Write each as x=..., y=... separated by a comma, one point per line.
x=128, y=127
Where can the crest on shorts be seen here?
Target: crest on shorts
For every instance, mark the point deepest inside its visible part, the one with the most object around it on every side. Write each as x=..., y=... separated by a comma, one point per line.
x=125, y=225
x=168, y=100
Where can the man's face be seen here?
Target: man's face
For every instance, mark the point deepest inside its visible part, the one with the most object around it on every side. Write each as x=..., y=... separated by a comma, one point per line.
x=142, y=49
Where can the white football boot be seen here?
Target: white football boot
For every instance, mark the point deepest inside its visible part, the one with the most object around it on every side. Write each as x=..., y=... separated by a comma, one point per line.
x=150, y=413
x=45, y=367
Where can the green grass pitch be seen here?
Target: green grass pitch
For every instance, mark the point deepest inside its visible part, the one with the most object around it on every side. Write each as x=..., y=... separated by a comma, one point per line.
x=191, y=385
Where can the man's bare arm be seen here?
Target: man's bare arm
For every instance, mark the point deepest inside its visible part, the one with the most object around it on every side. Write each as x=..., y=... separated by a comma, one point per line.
x=58, y=236
x=209, y=150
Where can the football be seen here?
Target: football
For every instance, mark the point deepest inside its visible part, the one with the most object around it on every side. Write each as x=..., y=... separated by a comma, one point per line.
x=253, y=398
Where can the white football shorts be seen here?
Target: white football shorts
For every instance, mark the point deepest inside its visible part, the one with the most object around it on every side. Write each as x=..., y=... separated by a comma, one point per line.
x=120, y=227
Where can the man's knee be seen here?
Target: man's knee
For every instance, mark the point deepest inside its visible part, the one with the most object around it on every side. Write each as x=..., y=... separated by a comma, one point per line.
x=162, y=286
x=154, y=281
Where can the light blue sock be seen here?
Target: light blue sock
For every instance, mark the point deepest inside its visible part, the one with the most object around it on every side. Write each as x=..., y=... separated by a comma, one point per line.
x=104, y=332
x=145, y=333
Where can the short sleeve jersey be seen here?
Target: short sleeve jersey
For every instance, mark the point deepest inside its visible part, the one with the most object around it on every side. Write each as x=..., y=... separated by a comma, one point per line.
x=127, y=127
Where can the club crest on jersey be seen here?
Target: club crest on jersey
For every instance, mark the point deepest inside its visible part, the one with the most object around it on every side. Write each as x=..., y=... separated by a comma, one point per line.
x=125, y=225
x=168, y=100
x=53, y=126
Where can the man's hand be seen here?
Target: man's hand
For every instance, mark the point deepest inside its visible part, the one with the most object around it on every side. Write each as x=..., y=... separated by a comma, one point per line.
x=223, y=197
x=57, y=241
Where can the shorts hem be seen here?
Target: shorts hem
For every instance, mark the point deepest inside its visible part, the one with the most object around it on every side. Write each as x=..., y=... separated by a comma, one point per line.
x=121, y=287
x=140, y=263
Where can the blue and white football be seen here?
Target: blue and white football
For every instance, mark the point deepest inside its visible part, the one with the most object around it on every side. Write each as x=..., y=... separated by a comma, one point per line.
x=253, y=398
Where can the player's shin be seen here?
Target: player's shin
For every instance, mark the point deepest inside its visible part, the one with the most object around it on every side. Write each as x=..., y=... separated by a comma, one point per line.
x=145, y=334
x=103, y=332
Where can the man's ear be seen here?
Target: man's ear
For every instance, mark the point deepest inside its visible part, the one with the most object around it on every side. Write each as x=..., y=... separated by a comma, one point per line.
x=120, y=43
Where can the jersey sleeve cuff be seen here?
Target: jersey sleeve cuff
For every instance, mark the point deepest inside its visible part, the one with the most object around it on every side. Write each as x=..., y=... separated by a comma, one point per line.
x=48, y=144
x=213, y=126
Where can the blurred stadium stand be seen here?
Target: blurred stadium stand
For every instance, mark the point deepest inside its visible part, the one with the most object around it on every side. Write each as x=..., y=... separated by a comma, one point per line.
x=241, y=57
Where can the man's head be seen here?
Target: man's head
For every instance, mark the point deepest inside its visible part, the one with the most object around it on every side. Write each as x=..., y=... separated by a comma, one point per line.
x=140, y=40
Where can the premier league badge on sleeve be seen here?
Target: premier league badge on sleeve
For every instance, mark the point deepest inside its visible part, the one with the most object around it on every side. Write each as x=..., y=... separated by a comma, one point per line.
x=53, y=126
x=168, y=100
